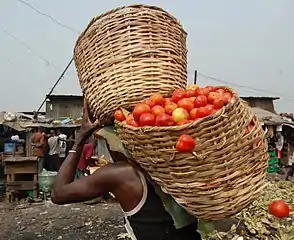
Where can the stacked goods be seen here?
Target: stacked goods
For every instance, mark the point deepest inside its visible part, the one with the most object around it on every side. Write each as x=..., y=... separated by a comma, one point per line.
x=127, y=54
x=203, y=146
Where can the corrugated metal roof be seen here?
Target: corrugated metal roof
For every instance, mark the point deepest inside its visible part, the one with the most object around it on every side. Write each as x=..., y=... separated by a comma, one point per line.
x=268, y=117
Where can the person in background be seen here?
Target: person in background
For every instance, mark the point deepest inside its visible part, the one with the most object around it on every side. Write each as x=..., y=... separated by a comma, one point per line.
x=62, y=144
x=85, y=158
x=291, y=171
x=38, y=144
x=145, y=214
x=54, y=150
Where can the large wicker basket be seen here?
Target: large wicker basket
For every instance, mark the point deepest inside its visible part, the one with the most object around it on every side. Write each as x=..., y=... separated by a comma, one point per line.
x=127, y=54
x=224, y=174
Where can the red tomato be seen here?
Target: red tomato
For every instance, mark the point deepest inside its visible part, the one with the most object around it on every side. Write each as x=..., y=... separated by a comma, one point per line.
x=147, y=119
x=119, y=115
x=202, y=91
x=164, y=120
x=220, y=91
x=227, y=97
x=170, y=107
x=133, y=123
x=157, y=110
x=178, y=94
x=193, y=114
x=218, y=103
x=180, y=114
x=200, y=101
x=210, y=108
x=149, y=102
x=139, y=109
x=183, y=122
x=185, y=143
x=167, y=100
x=157, y=99
x=186, y=103
x=279, y=209
x=202, y=112
x=190, y=93
x=212, y=96
x=210, y=88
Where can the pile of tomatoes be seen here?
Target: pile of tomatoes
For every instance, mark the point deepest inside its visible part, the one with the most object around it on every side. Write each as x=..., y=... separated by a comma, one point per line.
x=184, y=106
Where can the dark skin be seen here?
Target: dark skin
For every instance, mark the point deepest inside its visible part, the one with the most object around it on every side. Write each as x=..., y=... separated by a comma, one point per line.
x=118, y=178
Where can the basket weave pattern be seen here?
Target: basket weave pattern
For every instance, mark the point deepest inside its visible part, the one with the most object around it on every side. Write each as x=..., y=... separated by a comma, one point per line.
x=127, y=54
x=224, y=174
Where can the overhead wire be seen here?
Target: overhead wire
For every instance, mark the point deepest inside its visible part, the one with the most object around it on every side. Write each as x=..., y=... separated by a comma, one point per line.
x=48, y=16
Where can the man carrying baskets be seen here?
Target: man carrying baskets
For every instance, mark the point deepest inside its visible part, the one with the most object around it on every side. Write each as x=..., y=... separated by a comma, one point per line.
x=146, y=217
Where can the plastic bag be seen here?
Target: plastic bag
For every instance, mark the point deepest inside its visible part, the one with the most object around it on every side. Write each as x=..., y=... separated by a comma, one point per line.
x=46, y=180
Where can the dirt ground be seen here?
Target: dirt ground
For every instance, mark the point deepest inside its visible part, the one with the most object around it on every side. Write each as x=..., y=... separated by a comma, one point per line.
x=49, y=221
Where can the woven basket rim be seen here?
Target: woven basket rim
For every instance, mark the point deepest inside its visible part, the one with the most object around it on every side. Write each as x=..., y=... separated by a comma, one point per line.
x=185, y=126
x=146, y=6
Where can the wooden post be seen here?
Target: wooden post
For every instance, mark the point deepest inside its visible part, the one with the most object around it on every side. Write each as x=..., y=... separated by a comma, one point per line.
x=195, y=77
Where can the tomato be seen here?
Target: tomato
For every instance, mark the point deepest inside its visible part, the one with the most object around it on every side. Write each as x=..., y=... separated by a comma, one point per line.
x=211, y=88
x=178, y=94
x=227, y=97
x=133, y=123
x=180, y=114
x=119, y=115
x=186, y=103
x=139, y=109
x=279, y=209
x=164, y=120
x=129, y=118
x=210, y=108
x=218, y=103
x=220, y=91
x=167, y=100
x=147, y=119
x=202, y=112
x=149, y=102
x=202, y=91
x=192, y=87
x=170, y=107
x=157, y=110
x=192, y=99
x=249, y=129
x=157, y=99
x=193, y=114
x=200, y=101
x=212, y=96
x=185, y=143
x=190, y=93
x=183, y=122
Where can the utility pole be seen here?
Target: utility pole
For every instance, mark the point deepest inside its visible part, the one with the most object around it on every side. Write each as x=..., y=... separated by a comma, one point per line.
x=52, y=89
x=195, y=77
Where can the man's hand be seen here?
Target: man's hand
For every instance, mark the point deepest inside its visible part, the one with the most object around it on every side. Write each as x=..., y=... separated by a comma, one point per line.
x=88, y=126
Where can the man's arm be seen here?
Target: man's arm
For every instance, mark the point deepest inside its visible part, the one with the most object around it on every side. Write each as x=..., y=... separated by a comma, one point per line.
x=67, y=190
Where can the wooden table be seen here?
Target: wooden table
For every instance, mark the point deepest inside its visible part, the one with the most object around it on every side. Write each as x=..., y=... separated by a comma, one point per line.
x=15, y=170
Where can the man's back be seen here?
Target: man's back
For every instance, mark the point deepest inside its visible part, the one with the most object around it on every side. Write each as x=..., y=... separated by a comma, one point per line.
x=53, y=143
x=38, y=141
x=145, y=215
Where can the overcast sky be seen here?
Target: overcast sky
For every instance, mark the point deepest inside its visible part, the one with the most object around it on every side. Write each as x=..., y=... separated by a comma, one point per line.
x=248, y=43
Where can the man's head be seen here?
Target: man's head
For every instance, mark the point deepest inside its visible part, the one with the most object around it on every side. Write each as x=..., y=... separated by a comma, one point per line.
x=59, y=131
x=40, y=130
x=52, y=133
